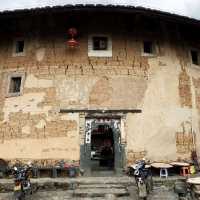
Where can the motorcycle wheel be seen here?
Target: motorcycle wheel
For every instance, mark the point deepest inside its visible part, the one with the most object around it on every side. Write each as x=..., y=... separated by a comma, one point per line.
x=142, y=190
x=19, y=196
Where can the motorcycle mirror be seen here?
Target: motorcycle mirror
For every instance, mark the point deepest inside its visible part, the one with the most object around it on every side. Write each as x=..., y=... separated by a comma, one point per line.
x=29, y=164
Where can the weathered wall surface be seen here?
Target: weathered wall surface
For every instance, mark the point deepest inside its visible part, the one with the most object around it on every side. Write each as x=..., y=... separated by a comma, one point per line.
x=33, y=129
x=166, y=87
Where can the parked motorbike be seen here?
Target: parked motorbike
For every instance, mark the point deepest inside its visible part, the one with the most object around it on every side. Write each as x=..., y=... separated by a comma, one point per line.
x=22, y=184
x=143, y=178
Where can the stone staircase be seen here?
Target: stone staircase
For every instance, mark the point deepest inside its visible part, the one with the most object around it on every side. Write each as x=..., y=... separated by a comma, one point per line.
x=100, y=188
x=80, y=188
x=91, y=188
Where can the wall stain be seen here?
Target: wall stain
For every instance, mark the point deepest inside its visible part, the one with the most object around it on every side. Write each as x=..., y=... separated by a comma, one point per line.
x=185, y=89
x=185, y=139
x=54, y=128
x=196, y=83
x=101, y=92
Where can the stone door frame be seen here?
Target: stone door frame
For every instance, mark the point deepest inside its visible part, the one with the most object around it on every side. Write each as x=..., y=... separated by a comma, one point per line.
x=116, y=122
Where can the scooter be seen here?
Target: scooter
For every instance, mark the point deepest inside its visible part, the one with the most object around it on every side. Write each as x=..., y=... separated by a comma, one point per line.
x=22, y=184
x=143, y=178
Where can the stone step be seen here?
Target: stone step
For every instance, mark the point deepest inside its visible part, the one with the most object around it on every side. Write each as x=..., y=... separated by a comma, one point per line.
x=162, y=193
x=100, y=192
x=104, y=198
x=108, y=180
x=101, y=186
x=6, y=185
x=89, y=198
x=102, y=173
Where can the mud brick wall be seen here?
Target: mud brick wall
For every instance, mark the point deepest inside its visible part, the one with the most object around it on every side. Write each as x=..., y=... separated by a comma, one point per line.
x=185, y=89
x=165, y=86
x=132, y=156
x=185, y=140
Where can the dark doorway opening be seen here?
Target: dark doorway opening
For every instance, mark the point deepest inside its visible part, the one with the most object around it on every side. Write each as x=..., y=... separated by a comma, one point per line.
x=102, y=148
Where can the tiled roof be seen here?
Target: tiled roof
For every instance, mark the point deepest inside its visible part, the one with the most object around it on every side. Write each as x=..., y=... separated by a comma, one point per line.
x=102, y=8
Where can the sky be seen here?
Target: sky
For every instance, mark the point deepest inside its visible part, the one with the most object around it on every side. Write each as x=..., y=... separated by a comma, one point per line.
x=190, y=8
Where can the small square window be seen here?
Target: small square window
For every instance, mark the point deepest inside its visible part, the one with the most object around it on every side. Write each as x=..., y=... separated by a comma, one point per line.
x=148, y=47
x=15, y=84
x=19, y=48
x=100, y=43
x=195, y=57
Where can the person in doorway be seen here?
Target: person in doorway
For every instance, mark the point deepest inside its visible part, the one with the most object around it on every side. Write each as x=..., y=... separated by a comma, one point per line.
x=107, y=154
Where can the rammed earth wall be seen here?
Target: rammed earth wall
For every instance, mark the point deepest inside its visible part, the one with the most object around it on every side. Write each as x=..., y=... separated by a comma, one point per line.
x=164, y=86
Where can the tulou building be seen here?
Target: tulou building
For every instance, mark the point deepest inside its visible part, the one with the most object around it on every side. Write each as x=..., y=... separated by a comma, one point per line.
x=99, y=85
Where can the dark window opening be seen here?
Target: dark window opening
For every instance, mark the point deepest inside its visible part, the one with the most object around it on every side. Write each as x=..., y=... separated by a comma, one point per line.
x=100, y=43
x=20, y=46
x=15, y=84
x=148, y=47
x=195, y=59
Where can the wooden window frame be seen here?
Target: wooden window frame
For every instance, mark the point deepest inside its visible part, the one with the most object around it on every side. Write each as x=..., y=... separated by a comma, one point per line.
x=13, y=75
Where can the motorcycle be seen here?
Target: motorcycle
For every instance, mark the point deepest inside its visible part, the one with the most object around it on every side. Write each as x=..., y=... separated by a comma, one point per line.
x=22, y=184
x=143, y=178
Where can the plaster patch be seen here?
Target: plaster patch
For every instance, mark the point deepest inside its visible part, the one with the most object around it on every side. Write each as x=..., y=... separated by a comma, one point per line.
x=33, y=82
x=35, y=148
x=41, y=124
x=101, y=92
x=70, y=116
x=26, y=130
x=40, y=53
x=74, y=91
x=24, y=105
x=175, y=116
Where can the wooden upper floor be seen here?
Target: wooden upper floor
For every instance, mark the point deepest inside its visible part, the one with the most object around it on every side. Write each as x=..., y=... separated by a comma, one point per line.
x=106, y=35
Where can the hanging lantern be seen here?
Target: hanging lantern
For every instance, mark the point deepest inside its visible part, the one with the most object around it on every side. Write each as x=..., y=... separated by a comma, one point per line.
x=72, y=42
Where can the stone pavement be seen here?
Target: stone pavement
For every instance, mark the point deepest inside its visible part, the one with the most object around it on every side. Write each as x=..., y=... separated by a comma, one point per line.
x=161, y=193
x=88, y=188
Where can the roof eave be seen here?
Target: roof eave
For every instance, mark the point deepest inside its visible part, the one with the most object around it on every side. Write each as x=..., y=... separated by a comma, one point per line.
x=99, y=7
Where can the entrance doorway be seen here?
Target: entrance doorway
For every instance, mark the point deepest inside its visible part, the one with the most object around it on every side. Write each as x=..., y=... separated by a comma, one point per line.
x=102, y=148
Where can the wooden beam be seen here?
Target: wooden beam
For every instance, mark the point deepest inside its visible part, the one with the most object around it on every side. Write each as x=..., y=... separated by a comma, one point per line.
x=100, y=110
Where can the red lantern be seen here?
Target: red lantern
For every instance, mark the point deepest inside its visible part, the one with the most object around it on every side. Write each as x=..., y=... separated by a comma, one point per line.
x=72, y=43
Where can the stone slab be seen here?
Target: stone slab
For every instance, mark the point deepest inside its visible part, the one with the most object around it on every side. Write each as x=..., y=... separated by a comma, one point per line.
x=100, y=191
x=101, y=186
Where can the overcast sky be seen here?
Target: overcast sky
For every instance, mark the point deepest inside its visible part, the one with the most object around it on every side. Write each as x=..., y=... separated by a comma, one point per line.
x=189, y=8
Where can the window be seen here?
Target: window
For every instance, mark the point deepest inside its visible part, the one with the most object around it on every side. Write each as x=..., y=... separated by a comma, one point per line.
x=19, y=46
x=148, y=47
x=99, y=46
x=195, y=57
x=15, y=84
x=100, y=43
